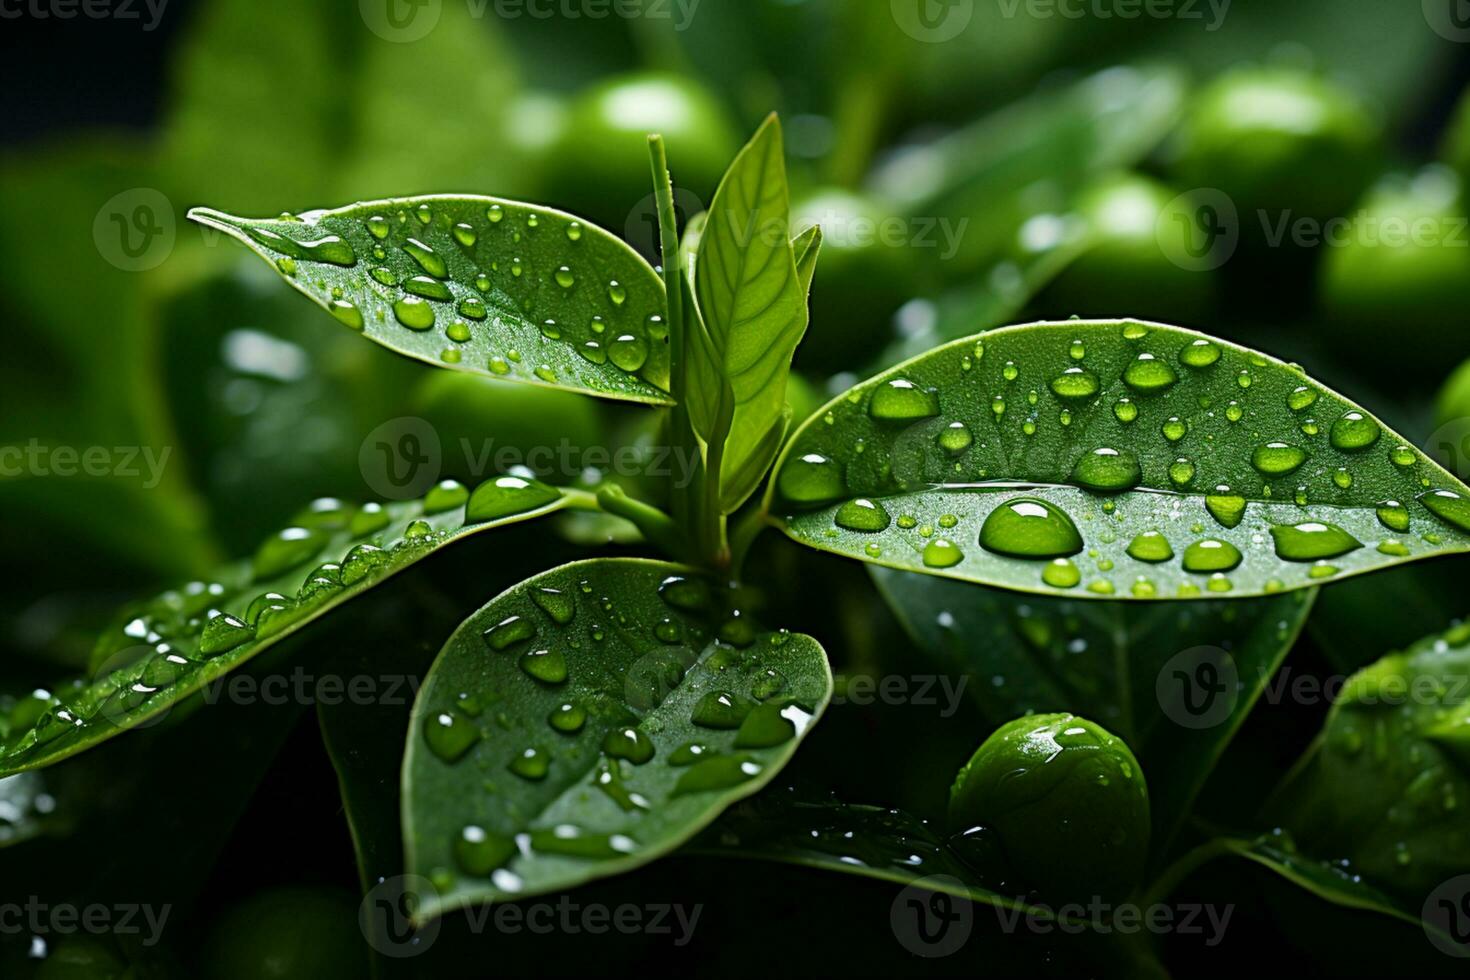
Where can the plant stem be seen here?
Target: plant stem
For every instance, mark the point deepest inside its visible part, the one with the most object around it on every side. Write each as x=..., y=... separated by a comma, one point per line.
x=680, y=432
x=747, y=529
x=656, y=526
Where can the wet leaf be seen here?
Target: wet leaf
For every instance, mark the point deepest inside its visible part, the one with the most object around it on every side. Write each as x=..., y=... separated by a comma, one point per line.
x=479, y=284
x=587, y=721
x=1173, y=681
x=1381, y=793
x=1113, y=459
x=166, y=649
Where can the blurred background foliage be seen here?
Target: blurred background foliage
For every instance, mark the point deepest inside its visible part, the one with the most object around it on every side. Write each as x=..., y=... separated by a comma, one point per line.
x=1030, y=164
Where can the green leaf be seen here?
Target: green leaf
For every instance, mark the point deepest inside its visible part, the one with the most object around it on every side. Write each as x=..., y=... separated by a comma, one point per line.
x=551, y=742
x=1122, y=665
x=1383, y=789
x=805, y=248
x=479, y=284
x=1112, y=459
x=166, y=649
x=752, y=304
x=1325, y=879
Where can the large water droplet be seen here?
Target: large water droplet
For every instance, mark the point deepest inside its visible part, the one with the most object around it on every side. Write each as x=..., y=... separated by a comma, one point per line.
x=445, y=495
x=1150, y=546
x=414, y=313
x=1199, y=354
x=1211, y=555
x=1277, y=458
x=530, y=763
x=449, y=735
x=285, y=550
x=504, y=496
x=1149, y=375
x=720, y=772
x=720, y=709
x=1074, y=384
x=1061, y=573
x=508, y=632
x=1448, y=506
x=555, y=603
x=428, y=260
x=1030, y=528
x=479, y=852
x=862, y=514
x=901, y=400
x=811, y=479
x=629, y=743
x=1312, y=540
x=942, y=553
x=224, y=632
x=547, y=666
x=1353, y=432
x=1228, y=509
x=1107, y=471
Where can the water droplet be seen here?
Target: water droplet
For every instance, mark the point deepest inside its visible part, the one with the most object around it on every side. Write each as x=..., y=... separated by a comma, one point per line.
x=465, y=234
x=1234, y=412
x=769, y=683
x=346, y=313
x=1149, y=375
x=561, y=607
x=1396, y=549
x=1077, y=350
x=530, y=763
x=546, y=666
x=689, y=753
x=942, y=553
x=1107, y=471
x=1301, y=398
x=628, y=351
x=955, y=438
x=509, y=631
x=720, y=772
x=564, y=277
x=567, y=717
x=1075, y=384
x=720, y=709
x=445, y=495
x=224, y=632
x=480, y=852
x=1134, y=331
x=424, y=213
x=1312, y=540
x=370, y=518
x=1181, y=471
x=1342, y=478
x=811, y=480
x=1125, y=410
x=1211, y=555
x=427, y=259
x=1226, y=508
x=1174, y=428
x=495, y=213
x=1026, y=527
x=385, y=276
x=1199, y=354
x=1151, y=547
x=616, y=293
x=574, y=231
x=472, y=308
x=362, y=561
x=414, y=313
x=1277, y=458
x=862, y=514
x=1448, y=506
x=689, y=594
x=285, y=550
x=503, y=496
x=900, y=400
x=628, y=743
x=449, y=735
x=1353, y=432
x=1060, y=573
x=1393, y=515
x=767, y=726
x=378, y=226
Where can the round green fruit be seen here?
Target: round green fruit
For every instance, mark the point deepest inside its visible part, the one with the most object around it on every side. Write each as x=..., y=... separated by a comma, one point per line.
x=1398, y=272
x=1278, y=139
x=598, y=165
x=286, y=934
x=1127, y=267
x=1066, y=802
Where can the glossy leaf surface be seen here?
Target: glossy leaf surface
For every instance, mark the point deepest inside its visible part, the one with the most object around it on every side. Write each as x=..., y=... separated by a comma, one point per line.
x=479, y=284
x=1113, y=459
x=166, y=649
x=589, y=720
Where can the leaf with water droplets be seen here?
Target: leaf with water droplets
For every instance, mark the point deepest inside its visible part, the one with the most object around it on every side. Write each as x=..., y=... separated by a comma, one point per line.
x=1158, y=464
x=522, y=778
x=752, y=312
x=163, y=650
x=1382, y=791
x=1174, y=682
x=479, y=284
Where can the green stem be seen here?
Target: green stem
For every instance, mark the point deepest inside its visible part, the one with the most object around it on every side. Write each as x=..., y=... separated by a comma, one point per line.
x=715, y=548
x=680, y=432
x=656, y=526
x=747, y=529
